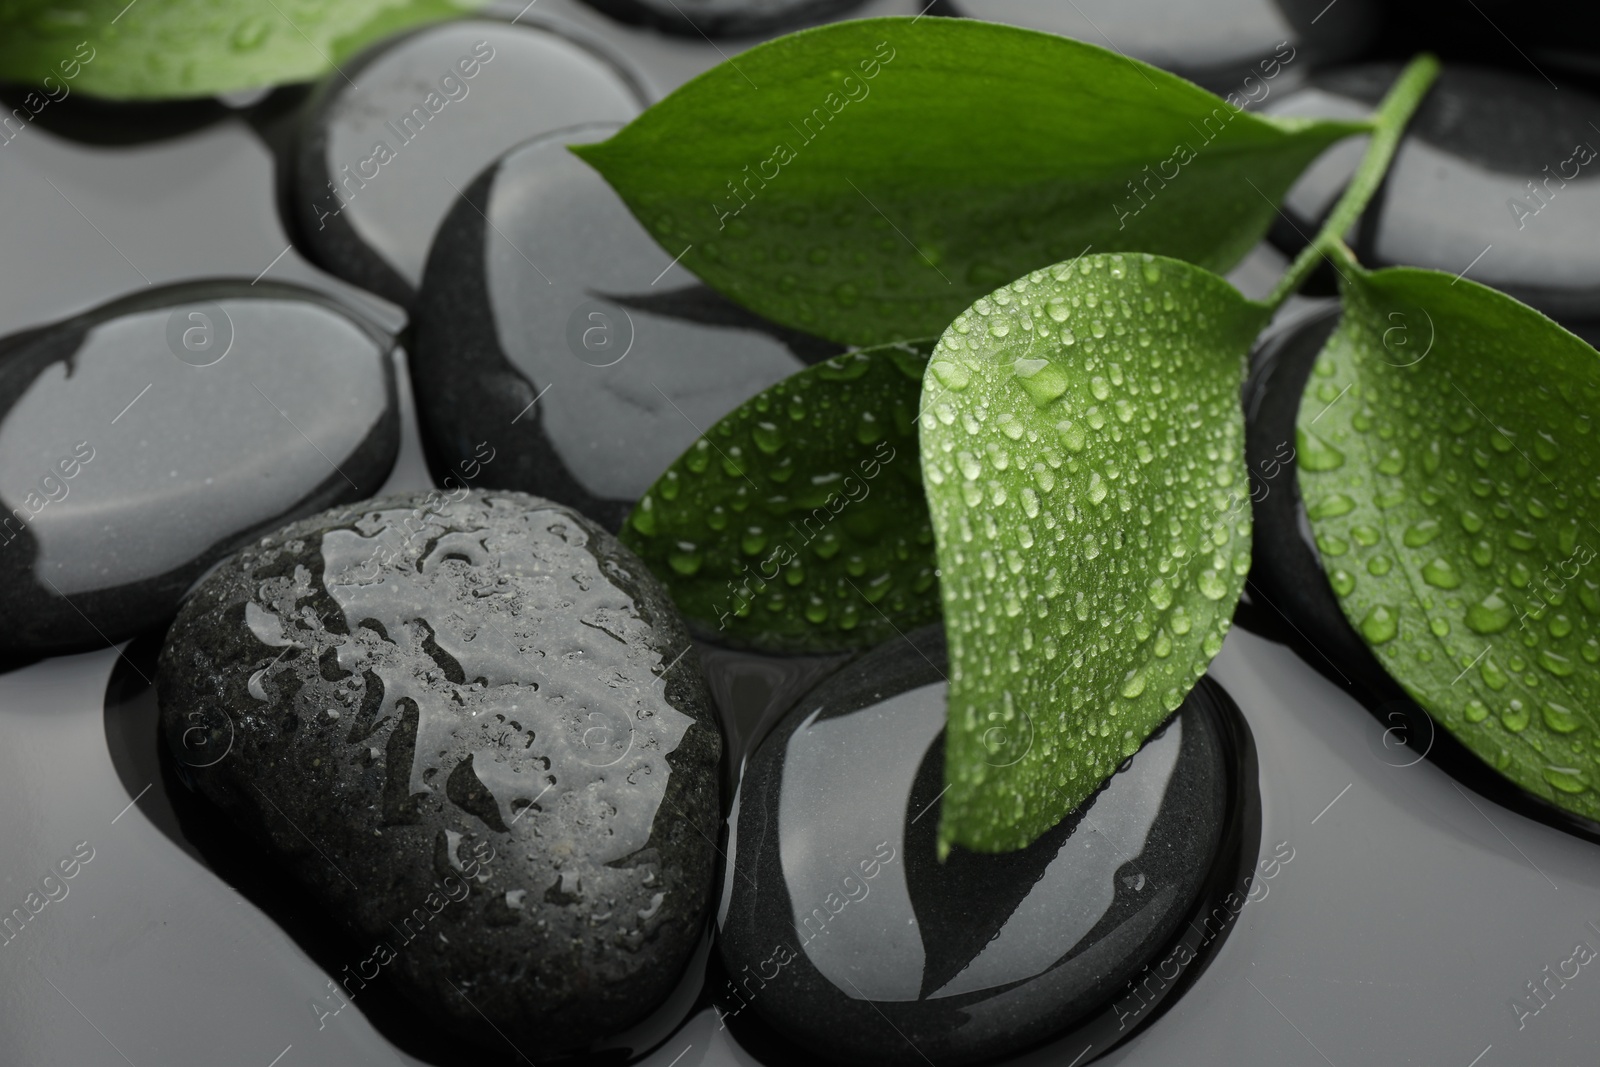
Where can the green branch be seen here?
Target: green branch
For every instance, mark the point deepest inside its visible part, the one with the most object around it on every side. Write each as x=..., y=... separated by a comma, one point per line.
x=1389, y=122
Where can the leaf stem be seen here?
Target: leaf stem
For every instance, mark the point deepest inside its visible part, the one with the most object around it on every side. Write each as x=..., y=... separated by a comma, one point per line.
x=1389, y=122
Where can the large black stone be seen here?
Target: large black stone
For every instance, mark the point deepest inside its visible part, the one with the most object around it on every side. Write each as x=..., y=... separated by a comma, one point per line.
x=724, y=18
x=390, y=141
x=553, y=329
x=845, y=934
x=1218, y=45
x=143, y=440
x=383, y=692
x=1497, y=176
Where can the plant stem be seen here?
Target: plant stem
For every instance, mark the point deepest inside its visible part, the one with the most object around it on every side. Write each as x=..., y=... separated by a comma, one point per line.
x=1389, y=122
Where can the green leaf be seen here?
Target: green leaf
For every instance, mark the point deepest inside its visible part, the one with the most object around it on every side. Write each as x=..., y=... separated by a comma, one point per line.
x=1083, y=449
x=1450, y=467
x=868, y=180
x=797, y=524
x=158, y=49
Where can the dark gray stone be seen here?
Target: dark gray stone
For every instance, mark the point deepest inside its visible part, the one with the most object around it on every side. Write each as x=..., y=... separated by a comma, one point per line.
x=383, y=692
x=553, y=327
x=143, y=440
x=845, y=934
x=1491, y=158
x=390, y=142
x=725, y=18
x=1217, y=44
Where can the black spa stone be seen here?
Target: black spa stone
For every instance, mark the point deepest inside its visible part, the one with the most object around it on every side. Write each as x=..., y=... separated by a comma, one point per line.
x=724, y=18
x=844, y=934
x=390, y=142
x=1498, y=176
x=143, y=440
x=476, y=735
x=554, y=331
x=1274, y=43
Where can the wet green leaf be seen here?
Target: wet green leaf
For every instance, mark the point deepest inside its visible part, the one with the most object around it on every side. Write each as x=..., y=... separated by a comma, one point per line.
x=157, y=49
x=1452, y=481
x=797, y=524
x=1083, y=449
x=868, y=180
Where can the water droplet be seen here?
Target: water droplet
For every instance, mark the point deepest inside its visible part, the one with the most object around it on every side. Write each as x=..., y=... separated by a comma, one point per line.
x=1560, y=718
x=1420, y=533
x=1042, y=380
x=1133, y=684
x=1476, y=711
x=1489, y=615
x=644, y=516
x=1566, y=779
x=1440, y=574
x=767, y=437
x=1072, y=435
x=685, y=558
x=1380, y=625
x=1515, y=716
x=1556, y=663
x=1315, y=454
x=250, y=34
x=1212, y=585
x=1342, y=581
x=1521, y=540
x=951, y=375
x=1331, y=507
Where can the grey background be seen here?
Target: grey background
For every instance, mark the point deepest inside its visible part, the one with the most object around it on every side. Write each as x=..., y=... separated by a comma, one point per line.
x=1409, y=918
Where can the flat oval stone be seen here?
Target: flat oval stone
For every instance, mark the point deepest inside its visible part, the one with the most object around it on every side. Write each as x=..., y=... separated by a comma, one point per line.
x=724, y=18
x=475, y=732
x=390, y=143
x=553, y=329
x=844, y=933
x=1498, y=177
x=1216, y=44
x=142, y=441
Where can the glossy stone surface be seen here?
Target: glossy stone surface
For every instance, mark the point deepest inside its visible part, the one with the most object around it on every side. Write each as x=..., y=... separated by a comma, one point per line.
x=1498, y=176
x=725, y=18
x=553, y=329
x=1216, y=44
x=844, y=933
x=141, y=441
x=383, y=692
x=384, y=153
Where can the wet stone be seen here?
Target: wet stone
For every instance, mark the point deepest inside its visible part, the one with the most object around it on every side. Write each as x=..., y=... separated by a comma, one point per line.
x=725, y=18
x=385, y=151
x=1217, y=45
x=1498, y=176
x=841, y=930
x=553, y=330
x=143, y=440
x=475, y=733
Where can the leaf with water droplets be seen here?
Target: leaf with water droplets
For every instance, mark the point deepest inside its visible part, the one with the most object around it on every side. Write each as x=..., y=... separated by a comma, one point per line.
x=868, y=180
x=1463, y=544
x=163, y=49
x=797, y=523
x=1083, y=451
